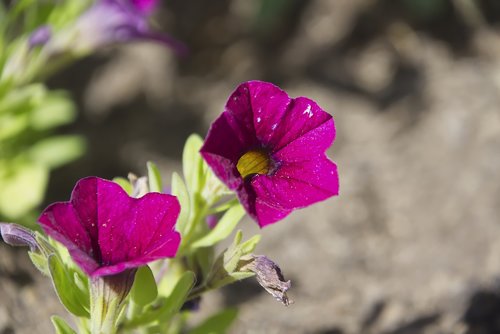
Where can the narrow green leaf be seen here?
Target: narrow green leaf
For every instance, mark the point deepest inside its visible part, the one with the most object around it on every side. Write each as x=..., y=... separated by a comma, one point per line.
x=61, y=326
x=82, y=283
x=231, y=259
x=40, y=262
x=223, y=228
x=57, y=151
x=237, y=238
x=192, y=163
x=171, y=305
x=154, y=178
x=218, y=323
x=179, y=189
x=248, y=246
x=234, y=253
x=125, y=184
x=204, y=260
x=65, y=287
x=22, y=188
x=144, y=290
x=54, y=109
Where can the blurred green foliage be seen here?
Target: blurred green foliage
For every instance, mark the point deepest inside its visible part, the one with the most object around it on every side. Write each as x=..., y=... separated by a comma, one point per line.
x=29, y=111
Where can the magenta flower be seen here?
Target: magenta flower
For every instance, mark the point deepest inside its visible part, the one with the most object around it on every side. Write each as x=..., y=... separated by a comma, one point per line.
x=107, y=232
x=270, y=149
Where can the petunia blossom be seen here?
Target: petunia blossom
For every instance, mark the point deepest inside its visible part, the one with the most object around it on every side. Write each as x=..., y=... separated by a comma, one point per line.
x=109, y=22
x=270, y=149
x=114, y=21
x=107, y=232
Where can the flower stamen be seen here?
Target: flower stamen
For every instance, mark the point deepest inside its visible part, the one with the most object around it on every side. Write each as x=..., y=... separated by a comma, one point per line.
x=254, y=162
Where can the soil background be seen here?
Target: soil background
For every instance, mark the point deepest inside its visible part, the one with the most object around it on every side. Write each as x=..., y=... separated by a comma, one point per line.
x=411, y=245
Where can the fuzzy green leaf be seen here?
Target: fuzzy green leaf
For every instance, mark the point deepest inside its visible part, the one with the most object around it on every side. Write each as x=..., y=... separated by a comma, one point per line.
x=56, y=109
x=218, y=323
x=154, y=178
x=57, y=151
x=144, y=290
x=171, y=305
x=192, y=163
x=23, y=187
x=125, y=184
x=179, y=189
x=40, y=262
x=61, y=326
x=223, y=228
x=248, y=246
x=66, y=289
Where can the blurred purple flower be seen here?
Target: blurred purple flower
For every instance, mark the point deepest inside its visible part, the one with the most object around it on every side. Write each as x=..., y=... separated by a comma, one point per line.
x=212, y=221
x=117, y=21
x=40, y=36
x=107, y=232
x=270, y=149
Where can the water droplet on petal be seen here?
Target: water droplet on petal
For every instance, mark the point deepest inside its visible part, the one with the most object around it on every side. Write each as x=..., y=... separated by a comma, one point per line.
x=308, y=111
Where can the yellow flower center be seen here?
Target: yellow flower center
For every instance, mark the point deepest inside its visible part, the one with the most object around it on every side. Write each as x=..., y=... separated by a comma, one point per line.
x=254, y=162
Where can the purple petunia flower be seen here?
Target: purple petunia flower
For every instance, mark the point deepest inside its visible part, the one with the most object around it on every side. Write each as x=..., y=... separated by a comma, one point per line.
x=270, y=149
x=116, y=21
x=107, y=232
x=105, y=23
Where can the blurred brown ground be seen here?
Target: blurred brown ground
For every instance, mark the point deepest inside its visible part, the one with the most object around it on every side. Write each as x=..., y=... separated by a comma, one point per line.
x=411, y=245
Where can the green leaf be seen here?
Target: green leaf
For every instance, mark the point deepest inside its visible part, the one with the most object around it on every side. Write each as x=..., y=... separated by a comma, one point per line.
x=53, y=110
x=144, y=290
x=192, y=164
x=234, y=253
x=125, y=184
x=218, y=323
x=154, y=178
x=61, y=326
x=179, y=189
x=23, y=187
x=171, y=305
x=57, y=151
x=82, y=283
x=65, y=288
x=12, y=125
x=248, y=246
x=223, y=228
x=204, y=260
x=40, y=262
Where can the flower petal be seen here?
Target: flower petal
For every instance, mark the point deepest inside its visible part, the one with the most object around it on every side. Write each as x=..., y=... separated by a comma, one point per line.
x=308, y=146
x=226, y=141
x=267, y=105
x=144, y=6
x=71, y=233
x=259, y=210
x=302, y=117
x=297, y=185
x=106, y=231
x=130, y=229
